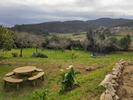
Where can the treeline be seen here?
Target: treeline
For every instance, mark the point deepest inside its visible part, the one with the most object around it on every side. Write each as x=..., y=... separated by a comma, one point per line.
x=95, y=41
x=66, y=27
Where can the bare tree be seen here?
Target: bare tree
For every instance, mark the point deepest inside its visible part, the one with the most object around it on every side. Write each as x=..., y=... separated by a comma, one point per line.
x=37, y=41
x=54, y=44
x=22, y=39
x=63, y=43
x=85, y=44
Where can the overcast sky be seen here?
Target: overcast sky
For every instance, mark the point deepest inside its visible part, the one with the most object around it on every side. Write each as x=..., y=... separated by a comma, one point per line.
x=19, y=12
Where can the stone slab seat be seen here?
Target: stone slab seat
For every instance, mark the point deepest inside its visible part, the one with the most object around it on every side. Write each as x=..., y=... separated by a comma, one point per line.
x=39, y=70
x=33, y=78
x=9, y=74
x=12, y=80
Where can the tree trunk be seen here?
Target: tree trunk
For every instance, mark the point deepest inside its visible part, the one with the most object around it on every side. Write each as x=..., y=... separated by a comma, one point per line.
x=21, y=51
x=36, y=49
x=85, y=50
x=93, y=50
x=62, y=49
x=55, y=50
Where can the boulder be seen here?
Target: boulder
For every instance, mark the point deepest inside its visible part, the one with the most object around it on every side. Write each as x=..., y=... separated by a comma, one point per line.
x=110, y=92
x=110, y=88
x=88, y=69
x=107, y=77
x=114, y=76
x=116, y=97
x=102, y=96
x=108, y=97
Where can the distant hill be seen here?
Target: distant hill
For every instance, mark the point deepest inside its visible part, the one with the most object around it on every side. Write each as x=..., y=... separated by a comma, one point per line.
x=67, y=26
x=125, y=24
x=108, y=22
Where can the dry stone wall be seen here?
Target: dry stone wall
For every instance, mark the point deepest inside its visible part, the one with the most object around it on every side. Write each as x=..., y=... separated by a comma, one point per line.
x=112, y=80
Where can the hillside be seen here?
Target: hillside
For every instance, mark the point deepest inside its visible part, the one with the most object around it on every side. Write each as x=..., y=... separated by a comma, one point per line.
x=125, y=24
x=67, y=26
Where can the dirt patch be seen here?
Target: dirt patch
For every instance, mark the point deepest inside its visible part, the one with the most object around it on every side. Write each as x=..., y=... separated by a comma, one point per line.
x=125, y=90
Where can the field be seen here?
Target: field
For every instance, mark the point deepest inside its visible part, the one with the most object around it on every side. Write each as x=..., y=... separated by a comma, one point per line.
x=89, y=80
x=82, y=36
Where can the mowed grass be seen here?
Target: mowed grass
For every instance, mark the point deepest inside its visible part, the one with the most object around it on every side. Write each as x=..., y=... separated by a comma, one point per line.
x=89, y=80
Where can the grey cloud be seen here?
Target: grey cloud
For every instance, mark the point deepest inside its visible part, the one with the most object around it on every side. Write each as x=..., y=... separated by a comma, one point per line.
x=78, y=9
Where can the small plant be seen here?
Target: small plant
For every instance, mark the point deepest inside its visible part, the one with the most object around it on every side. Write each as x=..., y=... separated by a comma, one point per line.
x=39, y=54
x=15, y=54
x=40, y=95
x=72, y=53
x=68, y=79
x=60, y=66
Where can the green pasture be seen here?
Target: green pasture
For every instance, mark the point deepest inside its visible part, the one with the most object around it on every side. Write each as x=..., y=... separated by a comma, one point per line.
x=89, y=80
x=127, y=30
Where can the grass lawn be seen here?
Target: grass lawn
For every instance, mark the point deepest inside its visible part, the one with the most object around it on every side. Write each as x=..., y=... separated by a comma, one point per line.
x=89, y=80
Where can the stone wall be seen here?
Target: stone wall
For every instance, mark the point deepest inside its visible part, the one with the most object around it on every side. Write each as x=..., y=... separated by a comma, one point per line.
x=112, y=80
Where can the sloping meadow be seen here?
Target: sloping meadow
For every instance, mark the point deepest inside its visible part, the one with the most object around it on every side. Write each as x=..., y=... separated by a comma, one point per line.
x=89, y=80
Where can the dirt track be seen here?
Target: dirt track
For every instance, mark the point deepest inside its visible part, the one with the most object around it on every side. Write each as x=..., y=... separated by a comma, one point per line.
x=125, y=90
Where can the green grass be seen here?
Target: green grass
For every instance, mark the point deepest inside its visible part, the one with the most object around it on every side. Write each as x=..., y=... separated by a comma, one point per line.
x=89, y=80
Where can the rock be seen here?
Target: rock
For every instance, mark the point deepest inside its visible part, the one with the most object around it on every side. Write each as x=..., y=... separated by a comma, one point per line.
x=121, y=60
x=114, y=76
x=88, y=69
x=110, y=92
x=108, y=97
x=115, y=72
x=110, y=88
x=113, y=81
x=116, y=97
x=107, y=77
x=102, y=96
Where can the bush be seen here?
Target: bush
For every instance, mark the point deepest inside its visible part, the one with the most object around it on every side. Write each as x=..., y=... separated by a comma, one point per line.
x=15, y=54
x=68, y=79
x=72, y=53
x=40, y=95
x=39, y=54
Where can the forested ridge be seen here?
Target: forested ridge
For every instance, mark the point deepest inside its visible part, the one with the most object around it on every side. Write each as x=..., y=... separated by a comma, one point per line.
x=67, y=26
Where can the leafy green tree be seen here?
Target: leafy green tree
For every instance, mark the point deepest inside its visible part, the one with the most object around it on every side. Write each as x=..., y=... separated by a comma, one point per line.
x=125, y=42
x=54, y=38
x=6, y=39
x=113, y=44
x=102, y=36
x=107, y=32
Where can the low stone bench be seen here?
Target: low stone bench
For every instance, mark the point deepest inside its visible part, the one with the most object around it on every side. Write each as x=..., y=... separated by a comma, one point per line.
x=33, y=78
x=39, y=70
x=9, y=74
x=12, y=80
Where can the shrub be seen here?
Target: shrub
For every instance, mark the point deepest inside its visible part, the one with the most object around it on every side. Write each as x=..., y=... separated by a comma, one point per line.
x=72, y=53
x=39, y=54
x=68, y=79
x=15, y=54
x=40, y=95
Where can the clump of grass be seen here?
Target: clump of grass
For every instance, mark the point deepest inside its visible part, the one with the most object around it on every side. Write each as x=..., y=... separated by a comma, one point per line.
x=60, y=66
x=15, y=54
x=39, y=54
